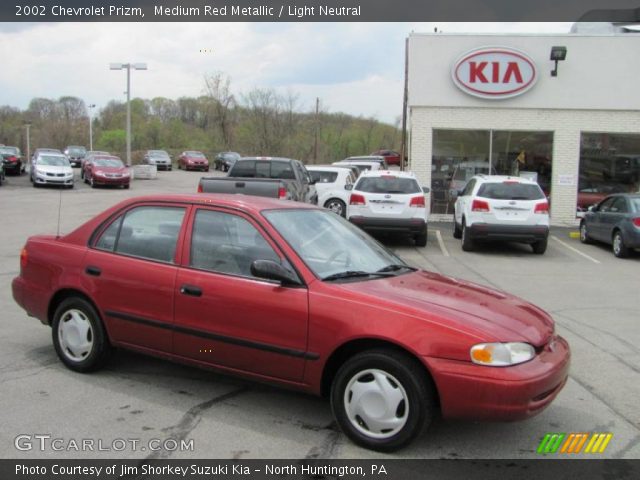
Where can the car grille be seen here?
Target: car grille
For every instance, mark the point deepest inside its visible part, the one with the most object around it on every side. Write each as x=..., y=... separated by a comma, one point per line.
x=55, y=174
x=113, y=175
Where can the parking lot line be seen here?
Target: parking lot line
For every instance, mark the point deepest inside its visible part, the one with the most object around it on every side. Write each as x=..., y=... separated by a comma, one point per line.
x=575, y=250
x=444, y=250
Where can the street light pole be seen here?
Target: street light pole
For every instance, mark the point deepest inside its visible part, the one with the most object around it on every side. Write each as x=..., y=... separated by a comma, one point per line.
x=91, y=107
x=128, y=67
x=28, y=126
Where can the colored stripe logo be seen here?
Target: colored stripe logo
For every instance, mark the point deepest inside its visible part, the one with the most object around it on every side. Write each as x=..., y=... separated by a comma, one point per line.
x=573, y=443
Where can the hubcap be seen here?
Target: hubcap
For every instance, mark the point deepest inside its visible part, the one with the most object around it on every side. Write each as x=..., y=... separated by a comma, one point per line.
x=335, y=207
x=376, y=403
x=75, y=335
x=617, y=244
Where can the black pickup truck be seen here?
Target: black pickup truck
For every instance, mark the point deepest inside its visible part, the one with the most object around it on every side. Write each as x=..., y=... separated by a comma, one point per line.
x=282, y=178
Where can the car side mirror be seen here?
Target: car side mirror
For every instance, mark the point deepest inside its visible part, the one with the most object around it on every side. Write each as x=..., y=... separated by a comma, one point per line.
x=270, y=270
x=592, y=208
x=348, y=187
x=454, y=193
x=426, y=189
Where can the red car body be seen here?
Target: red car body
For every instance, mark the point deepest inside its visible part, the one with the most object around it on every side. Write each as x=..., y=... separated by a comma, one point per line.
x=296, y=337
x=391, y=157
x=95, y=173
x=193, y=161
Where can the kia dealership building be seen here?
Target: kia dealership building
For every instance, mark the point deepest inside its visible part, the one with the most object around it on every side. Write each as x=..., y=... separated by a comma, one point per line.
x=499, y=104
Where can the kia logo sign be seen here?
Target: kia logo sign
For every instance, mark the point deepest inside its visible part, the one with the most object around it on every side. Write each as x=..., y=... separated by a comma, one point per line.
x=494, y=72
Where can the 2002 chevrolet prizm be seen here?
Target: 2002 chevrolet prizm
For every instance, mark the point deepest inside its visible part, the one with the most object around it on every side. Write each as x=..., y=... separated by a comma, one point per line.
x=289, y=293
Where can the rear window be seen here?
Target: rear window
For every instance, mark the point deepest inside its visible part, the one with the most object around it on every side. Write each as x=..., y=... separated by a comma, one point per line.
x=510, y=191
x=323, y=177
x=388, y=184
x=262, y=169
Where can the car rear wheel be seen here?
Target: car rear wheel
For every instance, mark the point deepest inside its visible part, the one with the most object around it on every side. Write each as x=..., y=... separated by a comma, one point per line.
x=382, y=399
x=467, y=241
x=584, y=234
x=618, y=246
x=421, y=238
x=539, y=247
x=336, y=206
x=79, y=336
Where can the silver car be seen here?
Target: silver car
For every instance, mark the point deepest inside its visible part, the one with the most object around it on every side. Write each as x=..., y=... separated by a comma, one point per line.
x=159, y=158
x=51, y=169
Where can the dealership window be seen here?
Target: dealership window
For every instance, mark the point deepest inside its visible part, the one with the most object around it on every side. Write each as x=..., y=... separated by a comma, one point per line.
x=458, y=155
x=609, y=163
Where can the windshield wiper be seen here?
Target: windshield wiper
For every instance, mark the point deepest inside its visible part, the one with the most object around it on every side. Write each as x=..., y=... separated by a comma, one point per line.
x=395, y=267
x=354, y=274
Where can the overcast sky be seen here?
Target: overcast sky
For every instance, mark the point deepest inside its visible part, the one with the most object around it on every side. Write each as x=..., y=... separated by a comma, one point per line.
x=355, y=68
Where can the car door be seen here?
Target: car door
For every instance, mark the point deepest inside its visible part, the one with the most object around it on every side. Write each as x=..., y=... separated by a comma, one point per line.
x=597, y=224
x=613, y=217
x=463, y=200
x=227, y=317
x=130, y=272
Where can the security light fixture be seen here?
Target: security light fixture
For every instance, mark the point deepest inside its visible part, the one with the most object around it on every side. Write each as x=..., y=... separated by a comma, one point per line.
x=558, y=54
x=128, y=67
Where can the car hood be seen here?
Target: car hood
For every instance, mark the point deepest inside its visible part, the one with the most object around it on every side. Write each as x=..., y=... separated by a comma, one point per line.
x=54, y=169
x=484, y=311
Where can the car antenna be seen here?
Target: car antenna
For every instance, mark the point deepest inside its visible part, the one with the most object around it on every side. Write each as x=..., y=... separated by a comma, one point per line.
x=59, y=210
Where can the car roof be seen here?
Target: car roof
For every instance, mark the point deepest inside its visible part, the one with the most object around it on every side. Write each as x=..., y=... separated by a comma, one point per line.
x=277, y=159
x=386, y=173
x=328, y=168
x=370, y=158
x=503, y=178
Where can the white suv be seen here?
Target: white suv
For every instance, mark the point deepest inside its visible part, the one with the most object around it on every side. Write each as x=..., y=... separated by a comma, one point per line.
x=389, y=201
x=494, y=207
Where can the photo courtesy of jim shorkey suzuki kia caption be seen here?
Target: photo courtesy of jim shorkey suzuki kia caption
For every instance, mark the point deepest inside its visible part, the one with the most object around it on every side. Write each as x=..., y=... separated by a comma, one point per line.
x=219, y=469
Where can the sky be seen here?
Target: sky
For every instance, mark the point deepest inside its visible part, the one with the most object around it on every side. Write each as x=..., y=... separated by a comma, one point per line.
x=356, y=68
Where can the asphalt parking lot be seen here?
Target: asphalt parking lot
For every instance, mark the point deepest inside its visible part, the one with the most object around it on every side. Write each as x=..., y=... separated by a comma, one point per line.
x=592, y=295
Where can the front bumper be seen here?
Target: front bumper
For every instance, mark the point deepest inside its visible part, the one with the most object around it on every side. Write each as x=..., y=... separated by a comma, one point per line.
x=509, y=233
x=479, y=392
x=410, y=225
x=13, y=167
x=197, y=166
x=53, y=180
x=111, y=180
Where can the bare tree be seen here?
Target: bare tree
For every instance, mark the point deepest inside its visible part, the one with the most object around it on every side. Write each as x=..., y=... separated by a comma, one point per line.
x=223, y=103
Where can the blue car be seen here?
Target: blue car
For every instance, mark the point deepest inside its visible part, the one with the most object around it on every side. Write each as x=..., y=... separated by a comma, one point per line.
x=615, y=221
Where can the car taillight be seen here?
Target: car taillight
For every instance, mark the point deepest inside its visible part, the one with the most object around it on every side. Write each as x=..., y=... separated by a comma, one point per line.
x=12, y=159
x=357, y=199
x=199, y=188
x=417, y=202
x=480, y=206
x=636, y=221
x=542, y=208
x=282, y=193
x=23, y=257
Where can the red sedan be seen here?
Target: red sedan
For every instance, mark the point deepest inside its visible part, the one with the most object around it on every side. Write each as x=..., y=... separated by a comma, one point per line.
x=292, y=294
x=106, y=170
x=192, y=160
x=391, y=157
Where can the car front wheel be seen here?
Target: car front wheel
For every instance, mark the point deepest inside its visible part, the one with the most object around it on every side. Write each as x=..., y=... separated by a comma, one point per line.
x=619, y=248
x=584, y=234
x=79, y=336
x=382, y=399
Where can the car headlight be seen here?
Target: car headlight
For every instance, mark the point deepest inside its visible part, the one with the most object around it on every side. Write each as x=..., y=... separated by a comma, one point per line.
x=40, y=172
x=501, y=354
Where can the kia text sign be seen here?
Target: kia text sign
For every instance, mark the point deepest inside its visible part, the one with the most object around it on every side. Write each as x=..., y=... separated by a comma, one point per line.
x=494, y=72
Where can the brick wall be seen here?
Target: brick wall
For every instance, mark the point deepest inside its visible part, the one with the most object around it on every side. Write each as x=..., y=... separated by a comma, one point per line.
x=566, y=126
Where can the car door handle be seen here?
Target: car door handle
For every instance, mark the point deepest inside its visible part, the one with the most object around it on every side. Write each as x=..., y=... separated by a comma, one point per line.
x=95, y=271
x=191, y=290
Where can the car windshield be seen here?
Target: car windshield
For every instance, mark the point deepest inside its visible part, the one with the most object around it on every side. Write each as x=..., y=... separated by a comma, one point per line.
x=194, y=154
x=158, y=153
x=77, y=150
x=53, y=160
x=510, y=191
x=9, y=151
x=108, y=162
x=387, y=184
x=332, y=247
x=231, y=156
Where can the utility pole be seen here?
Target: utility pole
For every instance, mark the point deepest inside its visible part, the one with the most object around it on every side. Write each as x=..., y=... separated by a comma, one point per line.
x=403, y=145
x=315, y=142
x=91, y=107
x=28, y=126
